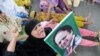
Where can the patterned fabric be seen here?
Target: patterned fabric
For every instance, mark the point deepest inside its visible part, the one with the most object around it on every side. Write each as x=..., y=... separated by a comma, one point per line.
x=62, y=7
x=13, y=10
x=7, y=23
x=23, y=2
x=53, y=2
x=41, y=16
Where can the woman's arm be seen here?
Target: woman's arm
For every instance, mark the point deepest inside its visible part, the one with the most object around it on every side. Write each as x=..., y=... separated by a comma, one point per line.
x=14, y=34
x=49, y=10
x=66, y=4
x=11, y=46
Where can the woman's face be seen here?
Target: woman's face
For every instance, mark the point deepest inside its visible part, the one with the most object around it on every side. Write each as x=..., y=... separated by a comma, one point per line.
x=65, y=39
x=38, y=31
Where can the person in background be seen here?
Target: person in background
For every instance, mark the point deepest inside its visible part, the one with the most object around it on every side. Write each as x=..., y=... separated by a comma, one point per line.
x=60, y=8
x=41, y=16
x=72, y=4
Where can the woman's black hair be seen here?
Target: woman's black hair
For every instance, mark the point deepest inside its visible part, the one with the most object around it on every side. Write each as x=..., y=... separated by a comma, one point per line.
x=66, y=27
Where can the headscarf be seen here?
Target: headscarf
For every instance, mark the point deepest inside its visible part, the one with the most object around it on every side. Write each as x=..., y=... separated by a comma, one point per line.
x=34, y=46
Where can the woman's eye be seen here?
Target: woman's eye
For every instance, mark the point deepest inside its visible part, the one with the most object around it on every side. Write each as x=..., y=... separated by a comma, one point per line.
x=39, y=24
x=35, y=28
x=42, y=31
x=60, y=42
x=64, y=37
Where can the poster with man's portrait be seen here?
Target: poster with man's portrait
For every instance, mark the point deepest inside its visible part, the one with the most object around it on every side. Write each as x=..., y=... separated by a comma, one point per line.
x=65, y=37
